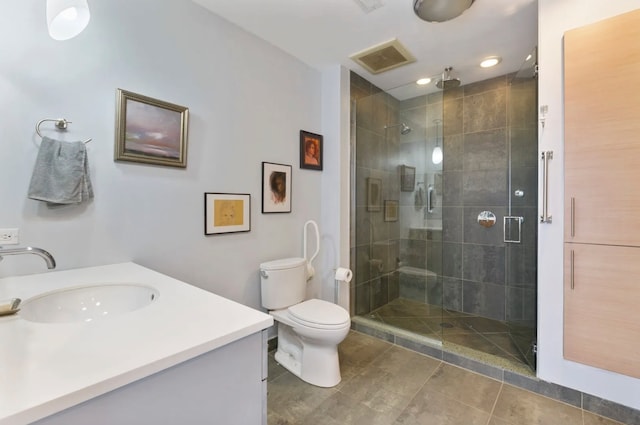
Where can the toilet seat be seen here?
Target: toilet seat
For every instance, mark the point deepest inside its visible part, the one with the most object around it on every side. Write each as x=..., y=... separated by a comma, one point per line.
x=319, y=314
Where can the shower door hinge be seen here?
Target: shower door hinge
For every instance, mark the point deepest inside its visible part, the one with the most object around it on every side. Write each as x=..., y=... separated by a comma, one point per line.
x=536, y=68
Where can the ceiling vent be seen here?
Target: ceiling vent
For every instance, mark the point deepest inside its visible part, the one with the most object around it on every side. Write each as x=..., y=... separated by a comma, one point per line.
x=383, y=57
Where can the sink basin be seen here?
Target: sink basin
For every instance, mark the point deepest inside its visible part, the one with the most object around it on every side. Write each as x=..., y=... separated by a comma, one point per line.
x=87, y=303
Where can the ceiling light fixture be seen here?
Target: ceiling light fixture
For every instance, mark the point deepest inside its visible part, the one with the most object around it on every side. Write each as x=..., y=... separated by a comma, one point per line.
x=440, y=10
x=491, y=61
x=67, y=18
x=423, y=81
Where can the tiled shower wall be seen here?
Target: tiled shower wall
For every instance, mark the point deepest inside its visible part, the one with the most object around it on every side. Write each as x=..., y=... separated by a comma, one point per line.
x=476, y=271
x=374, y=247
x=482, y=274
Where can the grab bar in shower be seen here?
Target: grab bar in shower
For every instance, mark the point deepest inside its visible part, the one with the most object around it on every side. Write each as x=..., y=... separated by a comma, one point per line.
x=545, y=217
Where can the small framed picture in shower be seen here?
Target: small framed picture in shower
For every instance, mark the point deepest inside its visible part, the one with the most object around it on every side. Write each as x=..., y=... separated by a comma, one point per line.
x=310, y=150
x=391, y=210
x=276, y=188
x=407, y=178
x=374, y=194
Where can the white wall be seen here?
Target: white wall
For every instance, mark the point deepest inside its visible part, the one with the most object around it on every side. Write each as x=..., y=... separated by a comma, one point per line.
x=335, y=181
x=247, y=101
x=556, y=17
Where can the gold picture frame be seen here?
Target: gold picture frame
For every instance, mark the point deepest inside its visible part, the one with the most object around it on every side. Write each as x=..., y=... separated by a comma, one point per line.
x=391, y=208
x=226, y=213
x=374, y=194
x=150, y=131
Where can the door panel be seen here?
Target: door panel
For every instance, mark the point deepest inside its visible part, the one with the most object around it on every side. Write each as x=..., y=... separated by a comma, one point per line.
x=601, y=307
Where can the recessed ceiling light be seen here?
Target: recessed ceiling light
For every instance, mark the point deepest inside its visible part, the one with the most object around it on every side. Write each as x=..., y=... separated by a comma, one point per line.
x=491, y=61
x=423, y=81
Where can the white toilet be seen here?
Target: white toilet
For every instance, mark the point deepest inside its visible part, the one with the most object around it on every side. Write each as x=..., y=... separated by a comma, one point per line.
x=308, y=331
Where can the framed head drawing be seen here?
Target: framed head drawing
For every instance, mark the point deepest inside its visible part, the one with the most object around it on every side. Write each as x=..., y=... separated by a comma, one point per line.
x=276, y=188
x=310, y=150
x=150, y=130
x=227, y=213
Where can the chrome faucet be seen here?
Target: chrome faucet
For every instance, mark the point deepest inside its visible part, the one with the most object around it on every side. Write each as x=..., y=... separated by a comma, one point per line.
x=48, y=258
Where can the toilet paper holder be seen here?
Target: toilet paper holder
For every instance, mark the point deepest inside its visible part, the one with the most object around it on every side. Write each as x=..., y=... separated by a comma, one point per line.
x=342, y=275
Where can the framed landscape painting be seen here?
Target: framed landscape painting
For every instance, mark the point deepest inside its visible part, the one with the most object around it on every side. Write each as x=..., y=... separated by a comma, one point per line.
x=150, y=131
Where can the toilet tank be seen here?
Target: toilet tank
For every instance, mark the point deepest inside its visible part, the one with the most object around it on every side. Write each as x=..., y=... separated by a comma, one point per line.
x=283, y=282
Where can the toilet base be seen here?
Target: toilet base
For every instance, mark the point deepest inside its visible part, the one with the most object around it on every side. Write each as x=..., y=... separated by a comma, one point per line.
x=321, y=361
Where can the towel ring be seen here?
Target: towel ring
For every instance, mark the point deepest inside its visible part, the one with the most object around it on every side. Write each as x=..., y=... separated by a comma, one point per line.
x=60, y=123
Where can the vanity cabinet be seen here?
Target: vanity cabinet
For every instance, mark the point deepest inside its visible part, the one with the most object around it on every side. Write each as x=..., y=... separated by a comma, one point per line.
x=602, y=194
x=224, y=386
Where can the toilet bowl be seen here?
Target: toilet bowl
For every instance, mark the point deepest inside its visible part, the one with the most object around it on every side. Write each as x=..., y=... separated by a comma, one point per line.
x=309, y=331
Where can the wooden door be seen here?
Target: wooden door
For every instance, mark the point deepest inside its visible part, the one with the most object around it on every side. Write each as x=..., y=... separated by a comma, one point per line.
x=602, y=307
x=602, y=132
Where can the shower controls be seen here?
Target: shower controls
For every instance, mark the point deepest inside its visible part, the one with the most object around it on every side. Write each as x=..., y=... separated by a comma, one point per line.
x=519, y=193
x=486, y=219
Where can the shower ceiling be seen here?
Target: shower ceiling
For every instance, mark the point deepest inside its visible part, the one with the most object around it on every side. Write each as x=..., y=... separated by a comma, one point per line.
x=325, y=33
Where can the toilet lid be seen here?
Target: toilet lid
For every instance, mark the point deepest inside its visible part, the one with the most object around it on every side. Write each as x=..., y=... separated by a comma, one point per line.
x=320, y=312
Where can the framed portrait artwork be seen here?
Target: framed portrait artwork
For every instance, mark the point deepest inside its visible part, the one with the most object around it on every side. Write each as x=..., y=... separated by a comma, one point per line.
x=310, y=150
x=150, y=131
x=374, y=194
x=226, y=213
x=407, y=178
x=391, y=210
x=276, y=188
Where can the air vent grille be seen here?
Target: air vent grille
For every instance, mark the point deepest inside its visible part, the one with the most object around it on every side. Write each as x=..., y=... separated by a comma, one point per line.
x=383, y=57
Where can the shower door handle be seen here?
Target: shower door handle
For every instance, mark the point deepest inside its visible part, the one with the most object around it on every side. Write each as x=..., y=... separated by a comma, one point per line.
x=545, y=217
x=429, y=199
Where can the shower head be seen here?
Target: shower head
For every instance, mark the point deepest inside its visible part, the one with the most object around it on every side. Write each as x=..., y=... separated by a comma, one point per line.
x=404, y=129
x=447, y=82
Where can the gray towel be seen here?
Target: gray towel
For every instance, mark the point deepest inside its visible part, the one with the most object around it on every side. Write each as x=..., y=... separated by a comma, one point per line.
x=61, y=173
x=418, y=198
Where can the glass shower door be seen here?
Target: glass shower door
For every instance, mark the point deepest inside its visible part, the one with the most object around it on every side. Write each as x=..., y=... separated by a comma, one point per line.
x=520, y=222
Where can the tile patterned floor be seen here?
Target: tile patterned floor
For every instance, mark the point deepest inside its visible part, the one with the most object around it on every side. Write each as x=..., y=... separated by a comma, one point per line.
x=488, y=336
x=385, y=384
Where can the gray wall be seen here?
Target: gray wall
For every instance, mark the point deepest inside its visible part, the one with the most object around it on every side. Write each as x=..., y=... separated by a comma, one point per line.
x=375, y=246
x=487, y=126
x=482, y=274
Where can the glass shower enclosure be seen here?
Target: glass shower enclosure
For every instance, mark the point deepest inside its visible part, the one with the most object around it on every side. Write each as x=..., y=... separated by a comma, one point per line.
x=444, y=214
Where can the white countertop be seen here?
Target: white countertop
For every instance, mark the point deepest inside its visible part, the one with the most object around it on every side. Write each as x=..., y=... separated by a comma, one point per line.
x=48, y=367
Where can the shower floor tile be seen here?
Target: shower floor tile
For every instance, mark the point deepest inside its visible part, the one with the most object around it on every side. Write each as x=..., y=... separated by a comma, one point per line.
x=481, y=334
